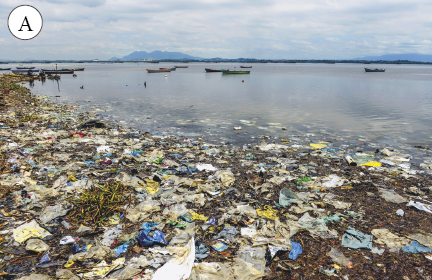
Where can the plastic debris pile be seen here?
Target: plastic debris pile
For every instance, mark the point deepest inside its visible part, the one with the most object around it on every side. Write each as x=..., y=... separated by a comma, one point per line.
x=84, y=199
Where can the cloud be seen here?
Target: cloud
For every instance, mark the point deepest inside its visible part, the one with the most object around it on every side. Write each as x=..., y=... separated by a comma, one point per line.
x=226, y=28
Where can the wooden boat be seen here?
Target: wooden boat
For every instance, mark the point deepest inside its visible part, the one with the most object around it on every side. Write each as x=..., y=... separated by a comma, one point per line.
x=181, y=66
x=172, y=69
x=2, y=69
x=59, y=71
x=78, y=69
x=25, y=71
x=374, y=70
x=158, y=70
x=25, y=67
x=235, y=72
x=245, y=66
x=215, y=70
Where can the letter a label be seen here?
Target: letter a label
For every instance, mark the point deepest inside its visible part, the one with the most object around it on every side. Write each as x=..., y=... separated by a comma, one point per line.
x=25, y=22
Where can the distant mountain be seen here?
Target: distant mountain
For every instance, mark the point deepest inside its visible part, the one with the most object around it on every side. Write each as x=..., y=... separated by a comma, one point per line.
x=155, y=55
x=392, y=57
x=114, y=58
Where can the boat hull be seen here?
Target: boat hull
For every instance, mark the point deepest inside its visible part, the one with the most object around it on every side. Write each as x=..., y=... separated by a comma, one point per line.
x=158, y=71
x=26, y=68
x=374, y=70
x=2, y=69
x=245, y=66
x=57, y=71
x=235, y=72
x=181, y=66
x=208, y=70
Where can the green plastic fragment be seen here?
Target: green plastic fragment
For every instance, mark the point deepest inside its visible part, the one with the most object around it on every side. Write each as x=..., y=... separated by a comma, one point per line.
x=302, y=180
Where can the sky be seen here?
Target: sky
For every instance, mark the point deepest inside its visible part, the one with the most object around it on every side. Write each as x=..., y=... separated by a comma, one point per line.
x=266, y=29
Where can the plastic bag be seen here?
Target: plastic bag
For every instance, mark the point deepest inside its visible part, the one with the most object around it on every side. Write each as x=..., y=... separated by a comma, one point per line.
x=228, y=232
x=146, y=240
x=392, y=196
x=415, y=247
x=142, y=210
x=394, y=242
x=286, y=196
x=95, y=252
x=210, y=271
x=52, y=212
x=200, y=250
x=355, y=239
x=102, y=268
x=173, y=211
x=296, y=249
x=226, y=177
x=36, y=276
x=180, y=266
x=339, y=258
x=125, y=273
x=254, y=256
x=36, y=245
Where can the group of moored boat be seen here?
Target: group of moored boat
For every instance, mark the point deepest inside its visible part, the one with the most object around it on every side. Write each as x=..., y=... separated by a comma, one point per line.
x=31, y=70
x=208, y=70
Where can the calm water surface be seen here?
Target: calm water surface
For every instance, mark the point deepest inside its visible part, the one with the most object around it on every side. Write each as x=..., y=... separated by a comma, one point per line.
x=336, y=99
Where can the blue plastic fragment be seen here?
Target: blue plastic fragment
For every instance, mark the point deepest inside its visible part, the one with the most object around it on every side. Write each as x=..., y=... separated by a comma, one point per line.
x=210, y=221
x=296, y=249
x=121, y=249
x=416, y=247
x=148, y=226
x=45, y=258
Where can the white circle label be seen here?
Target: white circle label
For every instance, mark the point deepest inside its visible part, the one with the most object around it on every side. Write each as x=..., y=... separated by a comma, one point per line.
x=25, y=22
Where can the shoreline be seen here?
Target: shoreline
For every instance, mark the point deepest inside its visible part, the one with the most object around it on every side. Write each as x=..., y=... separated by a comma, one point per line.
x=53, y=166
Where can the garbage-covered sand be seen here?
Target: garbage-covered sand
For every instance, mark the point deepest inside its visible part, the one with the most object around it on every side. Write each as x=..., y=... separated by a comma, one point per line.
x=84, y=199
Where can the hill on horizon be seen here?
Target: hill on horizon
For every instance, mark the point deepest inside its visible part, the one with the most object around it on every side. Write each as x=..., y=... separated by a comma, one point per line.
x=155, y=55
x=392, y=57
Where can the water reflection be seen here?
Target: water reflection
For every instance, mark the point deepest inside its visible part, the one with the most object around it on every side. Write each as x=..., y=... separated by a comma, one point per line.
x=334, y=99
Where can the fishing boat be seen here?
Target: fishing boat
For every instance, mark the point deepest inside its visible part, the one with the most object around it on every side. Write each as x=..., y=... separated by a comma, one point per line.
x=235, y=72
x=3, y=69
x=245, y=66
x=78, y=69
x=158, y=70
x=172, y=69
x=215, y=70
x=181, y=66
x=374, y=70
x=25, y=67
x=59, y=71
x=25, y=71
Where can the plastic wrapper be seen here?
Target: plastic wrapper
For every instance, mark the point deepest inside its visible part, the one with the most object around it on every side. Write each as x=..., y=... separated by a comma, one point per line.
x=28, y=230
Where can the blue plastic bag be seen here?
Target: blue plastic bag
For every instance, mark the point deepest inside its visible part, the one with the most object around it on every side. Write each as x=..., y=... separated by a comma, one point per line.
x=296, y=249
x=146, y=240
